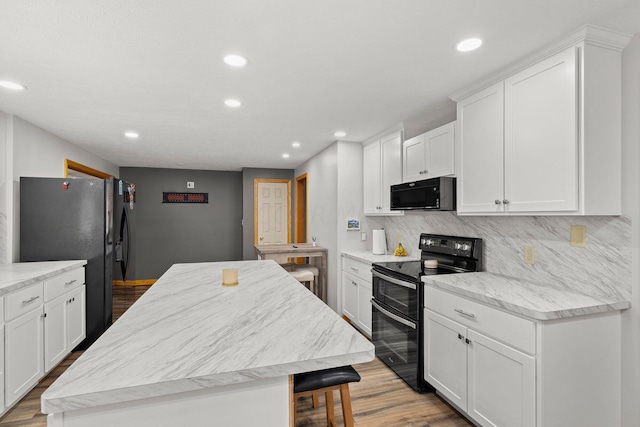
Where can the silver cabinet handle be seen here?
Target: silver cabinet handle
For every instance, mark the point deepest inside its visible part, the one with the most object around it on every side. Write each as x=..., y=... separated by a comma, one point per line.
x=498, y=202
x=354, y=283
x=464, y=313
x=355, y=269
x=393, y=316
x=71, y=282
x=505, y=201
x=394, y=281
x=30, y=300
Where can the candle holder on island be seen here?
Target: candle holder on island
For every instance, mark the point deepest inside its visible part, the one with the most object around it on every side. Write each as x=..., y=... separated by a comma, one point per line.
x=229, y=276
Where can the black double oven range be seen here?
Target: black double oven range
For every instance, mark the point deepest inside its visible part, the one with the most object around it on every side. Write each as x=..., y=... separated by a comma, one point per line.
x=398, y=303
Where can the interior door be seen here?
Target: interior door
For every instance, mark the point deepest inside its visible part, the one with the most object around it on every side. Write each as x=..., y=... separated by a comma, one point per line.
x=272, y=211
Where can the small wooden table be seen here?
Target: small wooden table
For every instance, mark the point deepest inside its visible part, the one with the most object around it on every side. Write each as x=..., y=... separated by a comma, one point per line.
x=317, y=257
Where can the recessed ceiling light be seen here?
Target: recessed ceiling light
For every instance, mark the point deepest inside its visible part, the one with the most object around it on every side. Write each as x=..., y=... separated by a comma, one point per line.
x=11, y=85
x=131, y=135
x=468, y=45
x=235, y=60
x=285, y=156
x=295, y=144
x=340, y=134
x=232, y=103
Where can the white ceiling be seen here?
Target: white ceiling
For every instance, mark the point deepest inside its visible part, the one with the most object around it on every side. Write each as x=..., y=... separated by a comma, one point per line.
x=95, y=69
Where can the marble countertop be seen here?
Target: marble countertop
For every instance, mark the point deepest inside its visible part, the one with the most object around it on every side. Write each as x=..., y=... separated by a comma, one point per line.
x=19, y=275
x=526, y=298
x=368, y=256
x=188, y=332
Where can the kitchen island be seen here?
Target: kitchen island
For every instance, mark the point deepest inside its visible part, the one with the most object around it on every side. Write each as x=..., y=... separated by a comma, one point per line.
x=193, y=352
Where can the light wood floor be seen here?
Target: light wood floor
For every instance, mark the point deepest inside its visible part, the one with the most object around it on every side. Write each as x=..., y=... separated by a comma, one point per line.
x=379, y=399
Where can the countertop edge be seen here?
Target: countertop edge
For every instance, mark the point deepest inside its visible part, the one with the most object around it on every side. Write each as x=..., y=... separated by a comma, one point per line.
x=111, y=397
x=530, y=313
x=369, y=257
x=72, y=264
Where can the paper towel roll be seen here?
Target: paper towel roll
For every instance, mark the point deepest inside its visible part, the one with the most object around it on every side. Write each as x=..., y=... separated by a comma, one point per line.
x=379, y=242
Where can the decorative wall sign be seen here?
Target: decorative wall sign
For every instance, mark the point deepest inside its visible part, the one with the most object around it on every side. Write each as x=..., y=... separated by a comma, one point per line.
x=353, y=224
x=185, y=197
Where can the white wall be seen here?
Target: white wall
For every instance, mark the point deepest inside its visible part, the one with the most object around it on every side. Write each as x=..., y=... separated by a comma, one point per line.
x=32, y=151
x=631, y=207
x=322, y=202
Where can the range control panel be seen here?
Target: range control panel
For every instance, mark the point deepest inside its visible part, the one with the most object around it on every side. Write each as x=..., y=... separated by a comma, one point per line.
x=452, y=245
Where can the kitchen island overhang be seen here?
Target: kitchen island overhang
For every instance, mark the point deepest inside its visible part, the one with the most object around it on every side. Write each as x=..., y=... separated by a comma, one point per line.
x=189, y=339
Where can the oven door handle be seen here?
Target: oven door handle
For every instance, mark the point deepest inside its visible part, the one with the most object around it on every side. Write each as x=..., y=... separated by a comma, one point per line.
x=392, y=316
x=394, y=281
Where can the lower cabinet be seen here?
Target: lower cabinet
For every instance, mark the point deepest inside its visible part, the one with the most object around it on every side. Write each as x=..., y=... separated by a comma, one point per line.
x=357, y=293
x=503, y=370
x=24, y=364
x=42, y=324
x=492, y=382
x=64, y=326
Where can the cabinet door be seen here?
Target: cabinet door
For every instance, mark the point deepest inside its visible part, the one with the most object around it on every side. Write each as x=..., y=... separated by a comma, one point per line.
x=445, y=357
x=24, y=355
x=481, y=175
x=391, y=151
x=541, y=140
x=55, y=331
x=372, y=178
x=2, y=376
x=349, y=296
x=440, y=151
x=364, y=306
x=76, y=319
x=414, y=157
x=502, y=389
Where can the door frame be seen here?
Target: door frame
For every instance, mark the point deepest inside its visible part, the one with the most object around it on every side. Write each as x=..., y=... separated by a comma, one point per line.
x=302, y=187
x=255, y=205
x=83, y=169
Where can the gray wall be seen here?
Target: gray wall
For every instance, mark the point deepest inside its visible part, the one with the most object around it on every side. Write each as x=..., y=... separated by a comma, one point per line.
x=169, y=233
x=248, y=175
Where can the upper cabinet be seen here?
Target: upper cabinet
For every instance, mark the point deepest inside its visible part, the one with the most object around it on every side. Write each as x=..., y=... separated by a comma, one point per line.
x=546, y=140
x=382, y=166
x=429, y=155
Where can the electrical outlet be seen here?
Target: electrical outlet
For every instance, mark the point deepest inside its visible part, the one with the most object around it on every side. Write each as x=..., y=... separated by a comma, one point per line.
x=191, y=184
x=578, y=235
x=363, y=236
x=529, y=255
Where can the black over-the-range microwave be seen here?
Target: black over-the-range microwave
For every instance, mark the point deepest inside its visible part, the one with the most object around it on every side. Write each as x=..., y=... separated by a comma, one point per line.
x=437, y=194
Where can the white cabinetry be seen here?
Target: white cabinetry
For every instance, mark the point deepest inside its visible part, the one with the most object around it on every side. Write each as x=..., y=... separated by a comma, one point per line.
x=382, y=168
x=24, y=342
x=42, y=324
x=504, y=370
x=357, y=293
x=429, y=155
x=64, y=325
x=533, y=142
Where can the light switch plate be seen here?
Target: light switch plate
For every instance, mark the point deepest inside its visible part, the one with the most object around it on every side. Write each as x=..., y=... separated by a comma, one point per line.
x=578, y=237
x=529, y=255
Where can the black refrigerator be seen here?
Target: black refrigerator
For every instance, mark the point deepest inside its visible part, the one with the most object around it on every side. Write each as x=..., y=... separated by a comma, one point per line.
x=64, y=219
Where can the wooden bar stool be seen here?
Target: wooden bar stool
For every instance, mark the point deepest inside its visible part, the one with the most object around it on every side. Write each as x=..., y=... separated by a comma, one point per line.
x=312, y=269
x=327, y=380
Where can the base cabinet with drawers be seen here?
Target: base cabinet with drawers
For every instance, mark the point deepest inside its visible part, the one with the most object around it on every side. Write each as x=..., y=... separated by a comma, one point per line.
x=43, y=322
x=503, y=370
x=357, y=293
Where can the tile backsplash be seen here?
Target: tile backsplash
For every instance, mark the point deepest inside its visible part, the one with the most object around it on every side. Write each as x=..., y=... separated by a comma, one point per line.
x=602, y=268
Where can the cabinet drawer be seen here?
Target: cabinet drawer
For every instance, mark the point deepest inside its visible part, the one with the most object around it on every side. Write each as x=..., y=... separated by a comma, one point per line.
x=508, y=328
x=63, y=283
x=359, y=269
x=23, y=301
